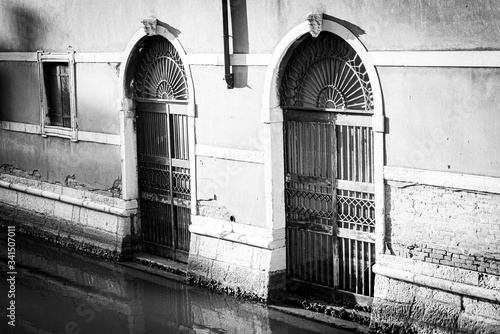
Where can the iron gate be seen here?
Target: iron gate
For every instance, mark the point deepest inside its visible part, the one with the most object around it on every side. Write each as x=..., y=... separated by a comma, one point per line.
x=163, y=150
x=328, y=144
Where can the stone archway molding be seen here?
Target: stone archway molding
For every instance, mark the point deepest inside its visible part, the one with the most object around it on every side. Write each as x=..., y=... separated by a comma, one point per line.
x=128, y=138
x=272, y=117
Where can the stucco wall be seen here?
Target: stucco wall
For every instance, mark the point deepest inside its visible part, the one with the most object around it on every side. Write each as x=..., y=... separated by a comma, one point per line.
x=443, y=118
x=387, y=25
x=97, y=98
x=459, y=103
x=229, y=117
x=231, y=189
x=19, y=92
x=95, y=166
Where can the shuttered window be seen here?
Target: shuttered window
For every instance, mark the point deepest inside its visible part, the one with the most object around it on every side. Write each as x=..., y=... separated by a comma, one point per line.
x=56, y=76
x=57, y=91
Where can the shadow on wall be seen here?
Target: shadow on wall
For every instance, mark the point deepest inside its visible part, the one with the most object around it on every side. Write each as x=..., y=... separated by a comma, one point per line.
x=24, y=29
x=239, y=27
x=388, y=223
x=174, y=31
x=357, y=31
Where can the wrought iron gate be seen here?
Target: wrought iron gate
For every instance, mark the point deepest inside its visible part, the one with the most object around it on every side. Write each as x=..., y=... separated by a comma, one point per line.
x=329, y=192
x=163, y=150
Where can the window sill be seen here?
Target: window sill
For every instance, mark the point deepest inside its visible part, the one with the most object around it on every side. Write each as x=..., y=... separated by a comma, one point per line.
x=56, y=131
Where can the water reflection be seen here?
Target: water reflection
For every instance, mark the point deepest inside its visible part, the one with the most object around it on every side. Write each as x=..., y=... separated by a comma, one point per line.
x=62, y=292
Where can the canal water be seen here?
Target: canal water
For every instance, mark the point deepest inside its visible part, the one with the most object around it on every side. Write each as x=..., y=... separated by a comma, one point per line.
x=58, y=291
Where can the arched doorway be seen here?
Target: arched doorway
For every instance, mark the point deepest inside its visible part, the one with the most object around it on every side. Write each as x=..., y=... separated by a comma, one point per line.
x=160, y=92
x=327, y=102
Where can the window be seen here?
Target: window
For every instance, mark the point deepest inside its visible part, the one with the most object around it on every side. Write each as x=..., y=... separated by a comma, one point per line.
x=57, y=90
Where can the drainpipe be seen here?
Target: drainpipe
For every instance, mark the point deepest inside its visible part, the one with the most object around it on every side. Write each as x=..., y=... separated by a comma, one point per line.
x=228, y=76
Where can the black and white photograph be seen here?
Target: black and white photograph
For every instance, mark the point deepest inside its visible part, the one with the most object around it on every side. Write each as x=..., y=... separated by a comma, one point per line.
x=249, y=166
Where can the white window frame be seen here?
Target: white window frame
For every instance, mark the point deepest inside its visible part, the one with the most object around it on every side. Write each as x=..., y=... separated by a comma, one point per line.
x=47, y=129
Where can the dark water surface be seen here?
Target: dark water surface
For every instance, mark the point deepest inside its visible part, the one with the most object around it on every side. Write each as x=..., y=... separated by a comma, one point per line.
x=57, y=291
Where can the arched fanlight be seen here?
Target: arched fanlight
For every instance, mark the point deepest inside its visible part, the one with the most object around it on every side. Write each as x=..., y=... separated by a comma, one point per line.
x=326, y=73
x=160, y=73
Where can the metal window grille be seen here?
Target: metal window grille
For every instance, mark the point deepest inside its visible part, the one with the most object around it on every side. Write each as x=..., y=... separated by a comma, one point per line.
x=329, y=193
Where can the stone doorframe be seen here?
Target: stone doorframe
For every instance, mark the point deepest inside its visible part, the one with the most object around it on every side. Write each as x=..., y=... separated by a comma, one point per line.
x=272, y=117
x=130, y=189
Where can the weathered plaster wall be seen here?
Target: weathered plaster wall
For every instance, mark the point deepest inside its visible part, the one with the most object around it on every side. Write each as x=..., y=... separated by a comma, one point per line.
x=231, y=189
x=97, y=97
x=19, y=92
x=95, y=166
x=388, y=25
x=103, y=26
x=442, y=118
x=229, y=117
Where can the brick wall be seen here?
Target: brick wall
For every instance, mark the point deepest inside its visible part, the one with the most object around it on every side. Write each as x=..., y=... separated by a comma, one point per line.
x=448, y=241
x=444, y=226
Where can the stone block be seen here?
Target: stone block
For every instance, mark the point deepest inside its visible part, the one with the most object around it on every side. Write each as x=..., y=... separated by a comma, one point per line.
x=428, y=269
x=258, y=257
x=456, y=275
x=8, y=196
x=381, y=286
x=489, y=282
x=417, y=309
x=447, y=297
x=63, y=210
x=441, y=314
x=199, y=266
x=424, y=292
x=208, y=247
x=278, y=260
x=123, y=226
x=72, y=192
x=232, y=252
x=471, y=323
x=220, y=271
x=259, y=282
x=386, y=311
x=194, y=245
x=35, y=203
x=76, y=217
x=401, y=292
x=102, y=220
x=53, y=188
x=481, y=308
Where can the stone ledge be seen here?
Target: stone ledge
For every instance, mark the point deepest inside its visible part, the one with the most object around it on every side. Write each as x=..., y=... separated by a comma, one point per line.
x=64, y=232
x=411, y=176
x=438, y=283
x=237, y=232
x=86, y=203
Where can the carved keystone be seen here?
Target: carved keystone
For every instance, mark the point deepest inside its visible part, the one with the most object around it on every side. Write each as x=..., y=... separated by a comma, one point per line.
x=315, y=23
x=150, y=25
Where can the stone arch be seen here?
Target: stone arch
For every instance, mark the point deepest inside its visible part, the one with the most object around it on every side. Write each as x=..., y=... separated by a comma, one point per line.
x=127, y=112
x=272, y=117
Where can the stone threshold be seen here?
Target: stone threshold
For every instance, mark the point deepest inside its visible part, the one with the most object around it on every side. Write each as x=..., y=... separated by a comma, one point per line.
x=349, y=319
x=158, y=265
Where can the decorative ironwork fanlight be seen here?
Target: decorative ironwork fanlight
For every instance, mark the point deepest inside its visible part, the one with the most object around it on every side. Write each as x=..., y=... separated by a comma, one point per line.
x=160, y=73
x=326, y=73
